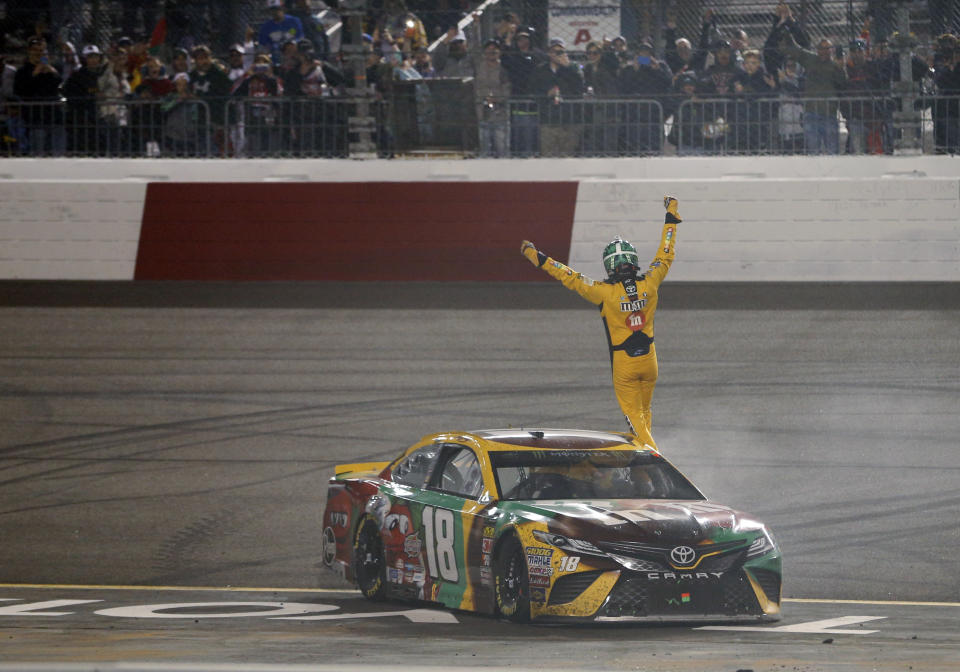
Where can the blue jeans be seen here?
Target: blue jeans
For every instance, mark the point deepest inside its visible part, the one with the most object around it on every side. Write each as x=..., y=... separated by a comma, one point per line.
x=524, y=130
x=47, y=140
x=493, y=138
x=821, y=133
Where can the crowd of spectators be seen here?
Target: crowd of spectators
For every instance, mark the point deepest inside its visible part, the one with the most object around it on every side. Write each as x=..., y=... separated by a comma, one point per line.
x=269, y=91
x=170, y=91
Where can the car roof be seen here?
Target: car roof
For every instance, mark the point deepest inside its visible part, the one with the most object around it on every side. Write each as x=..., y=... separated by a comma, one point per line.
x=553, y=439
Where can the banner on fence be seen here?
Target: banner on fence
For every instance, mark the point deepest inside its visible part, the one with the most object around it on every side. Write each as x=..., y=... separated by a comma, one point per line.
x=578, y=22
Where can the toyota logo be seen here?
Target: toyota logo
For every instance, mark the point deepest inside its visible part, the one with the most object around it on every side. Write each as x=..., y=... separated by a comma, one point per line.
x=682, y=555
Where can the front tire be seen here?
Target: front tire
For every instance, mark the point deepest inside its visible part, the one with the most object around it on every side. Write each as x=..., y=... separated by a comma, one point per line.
x=369, y=562
x=511, y=582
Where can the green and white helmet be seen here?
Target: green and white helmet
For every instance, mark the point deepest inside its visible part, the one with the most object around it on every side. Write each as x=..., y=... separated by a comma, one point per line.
x=618, y=255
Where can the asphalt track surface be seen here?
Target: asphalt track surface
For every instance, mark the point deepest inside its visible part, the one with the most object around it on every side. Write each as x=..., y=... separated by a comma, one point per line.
x=164, y=452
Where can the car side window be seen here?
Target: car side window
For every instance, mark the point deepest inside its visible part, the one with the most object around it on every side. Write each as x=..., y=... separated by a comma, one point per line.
x=415, y=468
x=461, y=473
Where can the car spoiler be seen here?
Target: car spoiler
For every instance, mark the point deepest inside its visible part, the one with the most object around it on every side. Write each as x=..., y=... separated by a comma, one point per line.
x=359, y=470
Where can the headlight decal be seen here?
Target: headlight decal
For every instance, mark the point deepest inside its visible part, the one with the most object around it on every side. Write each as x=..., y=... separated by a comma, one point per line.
x=762, y=545
x=567, y=544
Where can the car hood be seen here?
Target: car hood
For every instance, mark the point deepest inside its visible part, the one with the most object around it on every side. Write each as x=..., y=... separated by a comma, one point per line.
x=640, y=519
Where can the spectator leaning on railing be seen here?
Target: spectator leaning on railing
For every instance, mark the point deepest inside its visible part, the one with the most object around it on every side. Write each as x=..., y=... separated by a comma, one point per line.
x=491, y=92
x=261, y=112
x=81, y=90
x=790, y=108
x=643, y=76
x=310, y=86
x=825, y=81
x=183, y=122
x=38, y=82
x=753, y=89
x=210, y=83
x=146, y=117
x=686, y=132
x=521, y=62
x=863, y=110
x=555, y=83
x=112, y=115
x=946, y=111
x=602, y=133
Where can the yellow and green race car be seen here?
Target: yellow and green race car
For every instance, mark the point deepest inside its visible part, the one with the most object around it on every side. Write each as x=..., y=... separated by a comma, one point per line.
x=547, y=524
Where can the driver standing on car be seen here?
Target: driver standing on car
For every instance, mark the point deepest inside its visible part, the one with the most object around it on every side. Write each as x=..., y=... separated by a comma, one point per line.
x=627, y=301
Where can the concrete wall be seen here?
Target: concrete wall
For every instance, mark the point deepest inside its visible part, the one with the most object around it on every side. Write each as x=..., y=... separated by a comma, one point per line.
x=746, y=219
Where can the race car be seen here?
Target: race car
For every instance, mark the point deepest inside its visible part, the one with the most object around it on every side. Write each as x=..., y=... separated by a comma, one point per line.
x=547, y=525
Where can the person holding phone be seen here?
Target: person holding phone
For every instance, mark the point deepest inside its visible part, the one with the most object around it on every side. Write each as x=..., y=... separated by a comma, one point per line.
x=37, y=83
x=643, y=75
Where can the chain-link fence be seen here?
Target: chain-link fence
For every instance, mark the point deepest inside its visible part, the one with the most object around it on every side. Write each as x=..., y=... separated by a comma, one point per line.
x=635, y=77
x=221, y=23
x=319, y=128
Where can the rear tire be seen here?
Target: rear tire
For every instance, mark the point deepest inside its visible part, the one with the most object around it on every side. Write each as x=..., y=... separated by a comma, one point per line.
x=511, y=582
x=369, y=562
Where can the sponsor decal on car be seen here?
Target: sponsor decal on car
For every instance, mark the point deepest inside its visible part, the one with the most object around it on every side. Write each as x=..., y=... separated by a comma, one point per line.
x=538, y=595
x=539, y=580
x=539, y=561
x=412, y=545
x=486, y=545
x=680, y=576
x=536, y=551
x=338, y=518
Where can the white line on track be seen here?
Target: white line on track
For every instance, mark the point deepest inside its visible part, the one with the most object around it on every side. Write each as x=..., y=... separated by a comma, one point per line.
x=221, y=589
x=353, y=591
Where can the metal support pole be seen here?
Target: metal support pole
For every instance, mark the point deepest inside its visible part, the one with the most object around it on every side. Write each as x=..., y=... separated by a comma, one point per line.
x=907, y=119
x=361, y=125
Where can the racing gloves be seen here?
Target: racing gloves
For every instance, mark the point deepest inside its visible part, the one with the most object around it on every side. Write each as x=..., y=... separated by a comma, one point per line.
x=672, y=216
x=530, y=251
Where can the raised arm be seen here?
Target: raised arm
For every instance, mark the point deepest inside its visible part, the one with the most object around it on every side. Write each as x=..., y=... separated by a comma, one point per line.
x=666, y=252
x=569, y=278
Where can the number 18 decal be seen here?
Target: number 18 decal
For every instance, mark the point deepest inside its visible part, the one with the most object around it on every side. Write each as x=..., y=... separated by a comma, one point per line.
x=569, y=563
x=440, y=537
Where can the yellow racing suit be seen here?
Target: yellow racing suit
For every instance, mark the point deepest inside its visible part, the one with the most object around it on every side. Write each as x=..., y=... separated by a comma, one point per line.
x=628, y=321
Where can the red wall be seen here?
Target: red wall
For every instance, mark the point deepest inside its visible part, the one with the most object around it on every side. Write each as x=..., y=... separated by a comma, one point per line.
x=457, y=231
